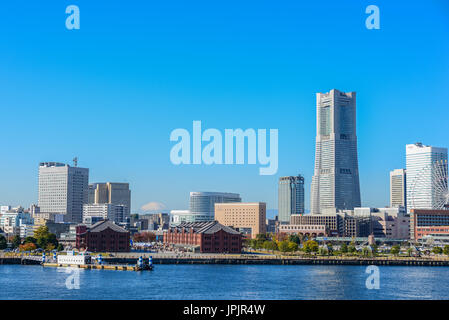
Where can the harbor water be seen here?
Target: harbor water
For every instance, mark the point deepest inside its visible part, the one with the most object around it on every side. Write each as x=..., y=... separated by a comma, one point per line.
x=224, y=282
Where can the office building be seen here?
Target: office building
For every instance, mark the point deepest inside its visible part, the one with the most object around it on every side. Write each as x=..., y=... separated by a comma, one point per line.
x=249, y=218
x=335, y=183
x=425, y=165
x=103, y=211
x=63, y=189
x=202, y=204
x=117, y=193
x=290, y=197
x=398, y=188
x=272, y=225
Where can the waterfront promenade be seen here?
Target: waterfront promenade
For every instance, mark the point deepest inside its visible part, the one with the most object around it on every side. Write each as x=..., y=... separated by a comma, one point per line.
x=253, y=259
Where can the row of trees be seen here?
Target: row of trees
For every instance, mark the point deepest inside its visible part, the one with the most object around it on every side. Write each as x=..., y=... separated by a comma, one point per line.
x=42, y=238
x=292, y=243
x=284, y=244
x=144, y=237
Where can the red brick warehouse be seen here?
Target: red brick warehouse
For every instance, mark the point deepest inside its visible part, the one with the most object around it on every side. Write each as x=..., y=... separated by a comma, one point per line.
x=104, y=236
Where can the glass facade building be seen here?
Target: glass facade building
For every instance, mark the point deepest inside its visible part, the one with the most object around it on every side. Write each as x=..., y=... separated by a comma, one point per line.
x=335, y=182
x=290, y=197
x=202, y=204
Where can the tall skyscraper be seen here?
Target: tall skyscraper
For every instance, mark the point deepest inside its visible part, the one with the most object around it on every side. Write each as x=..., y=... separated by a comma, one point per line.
x=335, y=183
x=202, y=204
x=117, y=193
x=424, y=164
x=398, y=188
x=290, y=197
x=63, y=189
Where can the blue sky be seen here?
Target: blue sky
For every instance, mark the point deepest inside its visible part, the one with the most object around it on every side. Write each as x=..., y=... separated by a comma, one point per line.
x=111, y=92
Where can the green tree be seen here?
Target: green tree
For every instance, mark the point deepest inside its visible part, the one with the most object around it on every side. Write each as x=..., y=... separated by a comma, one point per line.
x=283, y=246
x=292, y=246
x=3, y=243
x=437, y=250
x=294, y=238
x=30, y=240
x=16, y=241
x=310, y=246
x=270, y=245
x=60, y=247
x=344, y=248
x=262, y=237
x=352, y=248
x=44, y=238
x=446, y=250
x=395, y=249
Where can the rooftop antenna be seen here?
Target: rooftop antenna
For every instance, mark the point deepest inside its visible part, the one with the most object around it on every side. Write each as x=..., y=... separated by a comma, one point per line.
x=75, y=161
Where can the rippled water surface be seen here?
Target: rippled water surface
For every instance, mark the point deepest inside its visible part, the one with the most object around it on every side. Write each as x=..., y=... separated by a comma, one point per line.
x=225, y=282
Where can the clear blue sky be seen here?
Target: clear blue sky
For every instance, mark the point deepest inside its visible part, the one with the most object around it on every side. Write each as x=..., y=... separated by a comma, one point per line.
x=111, y=92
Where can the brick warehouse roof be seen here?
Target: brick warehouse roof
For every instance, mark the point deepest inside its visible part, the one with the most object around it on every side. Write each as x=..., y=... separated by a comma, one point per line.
x=206, y=227
x=103, y=225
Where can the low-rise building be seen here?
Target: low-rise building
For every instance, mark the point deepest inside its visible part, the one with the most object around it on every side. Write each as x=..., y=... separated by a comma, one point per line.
x=179, y=216
x=104, y=236
x=390, y=223
x=427, y=222
x=207, y=237
x=272, y=225
x=340, y=224
x=308, y=230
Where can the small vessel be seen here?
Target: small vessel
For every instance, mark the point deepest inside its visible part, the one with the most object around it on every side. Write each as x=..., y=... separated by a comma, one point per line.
x=86, y=261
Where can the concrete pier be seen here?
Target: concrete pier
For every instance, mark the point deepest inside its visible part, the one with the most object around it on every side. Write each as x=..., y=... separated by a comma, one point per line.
x=128, y=263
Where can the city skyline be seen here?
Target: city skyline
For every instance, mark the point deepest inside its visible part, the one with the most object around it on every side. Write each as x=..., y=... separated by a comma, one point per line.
x=117, y=117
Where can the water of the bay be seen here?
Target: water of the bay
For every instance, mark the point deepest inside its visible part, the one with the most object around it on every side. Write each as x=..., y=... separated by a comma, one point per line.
x=224, y=282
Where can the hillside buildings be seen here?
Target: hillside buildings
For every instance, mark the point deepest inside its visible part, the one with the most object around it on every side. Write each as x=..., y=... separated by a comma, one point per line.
x=335, y=183
x=290, y=197
x=249, y=218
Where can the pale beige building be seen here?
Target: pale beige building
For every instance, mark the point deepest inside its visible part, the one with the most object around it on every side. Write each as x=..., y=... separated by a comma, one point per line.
x=248, y=217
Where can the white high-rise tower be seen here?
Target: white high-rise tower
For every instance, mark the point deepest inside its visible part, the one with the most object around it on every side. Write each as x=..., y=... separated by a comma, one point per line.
x=63, y=189
x=335, y=183
x=424, y=164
